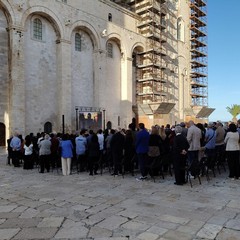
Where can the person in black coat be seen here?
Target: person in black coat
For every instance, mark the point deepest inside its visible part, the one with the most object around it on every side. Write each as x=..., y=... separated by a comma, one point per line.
x=93, y=154
x=154, y=151
x=129, y=152
x=117, y=145
x=180, y=147
x=9, y=149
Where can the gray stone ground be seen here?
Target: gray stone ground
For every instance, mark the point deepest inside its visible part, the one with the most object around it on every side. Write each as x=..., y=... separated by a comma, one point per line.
x=51, y=206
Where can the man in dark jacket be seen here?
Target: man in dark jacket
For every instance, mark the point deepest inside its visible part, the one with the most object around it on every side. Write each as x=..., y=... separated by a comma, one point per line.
x=117, y=145
x=142, y=141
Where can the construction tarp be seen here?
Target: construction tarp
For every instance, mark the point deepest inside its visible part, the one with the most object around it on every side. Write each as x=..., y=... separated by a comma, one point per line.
x=153, y=108
x=205, y=112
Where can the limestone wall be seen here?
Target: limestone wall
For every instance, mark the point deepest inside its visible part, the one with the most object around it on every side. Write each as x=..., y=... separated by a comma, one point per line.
x=49, y=78
x=41, y=83
x=4, y=78
x=43, y=80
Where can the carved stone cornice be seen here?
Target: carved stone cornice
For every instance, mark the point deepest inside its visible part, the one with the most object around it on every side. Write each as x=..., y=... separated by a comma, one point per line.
x=15, y=28
x=63, y=41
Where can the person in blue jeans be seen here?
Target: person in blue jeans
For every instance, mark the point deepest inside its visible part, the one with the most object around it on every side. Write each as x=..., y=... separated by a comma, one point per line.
x=81, y=147
x=210, y=142
x=142, y=141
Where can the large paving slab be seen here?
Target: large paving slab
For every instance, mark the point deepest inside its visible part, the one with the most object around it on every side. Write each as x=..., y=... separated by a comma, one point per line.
x=51, y=206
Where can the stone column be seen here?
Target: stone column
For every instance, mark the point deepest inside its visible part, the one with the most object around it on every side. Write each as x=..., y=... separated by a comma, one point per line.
x=99, y=77
x=65, y=86
x=17, y=81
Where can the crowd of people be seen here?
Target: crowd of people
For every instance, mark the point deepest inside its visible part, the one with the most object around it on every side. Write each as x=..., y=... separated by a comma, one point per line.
x=151, y=151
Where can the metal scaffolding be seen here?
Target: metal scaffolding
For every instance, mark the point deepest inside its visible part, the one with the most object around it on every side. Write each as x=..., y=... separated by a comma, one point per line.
x=151, y=77
x=199, y=70
x=152, y=65
x=155, y=67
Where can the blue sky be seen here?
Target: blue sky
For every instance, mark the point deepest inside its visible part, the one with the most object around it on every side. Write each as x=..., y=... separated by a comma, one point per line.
x=223, y=57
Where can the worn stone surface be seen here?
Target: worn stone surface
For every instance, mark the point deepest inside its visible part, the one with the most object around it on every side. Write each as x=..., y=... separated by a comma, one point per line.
x=8, y=233
x=97, y=232
x=36, y=233
x=51, y=222
x=72, y=232
x=157, y=230
x=233, y=224
x=29, y=213
x=177, y=235
x=228, y=234
x=209, y=231
x=50, y=206
x=20, y=223
x=112, y=222
x=8, y=208
x=148, y=236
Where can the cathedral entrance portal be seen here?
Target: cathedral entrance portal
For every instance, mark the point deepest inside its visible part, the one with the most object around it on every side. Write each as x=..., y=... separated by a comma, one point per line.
x=2, y=134
x=48, y=127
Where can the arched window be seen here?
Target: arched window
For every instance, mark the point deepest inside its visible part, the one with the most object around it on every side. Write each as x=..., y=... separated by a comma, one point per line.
x=110, y=17
x=37, y=29
x=78, y=42
x=110, y=50
x=180, y=30
x=48, y=127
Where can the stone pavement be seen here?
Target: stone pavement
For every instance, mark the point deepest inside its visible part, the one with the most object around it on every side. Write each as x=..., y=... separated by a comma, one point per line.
x=51, y=206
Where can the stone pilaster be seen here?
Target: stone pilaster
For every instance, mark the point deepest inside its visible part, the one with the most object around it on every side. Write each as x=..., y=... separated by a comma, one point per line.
x=65, y=85
x=126, y=91
x=99, y=61
x=17, y=82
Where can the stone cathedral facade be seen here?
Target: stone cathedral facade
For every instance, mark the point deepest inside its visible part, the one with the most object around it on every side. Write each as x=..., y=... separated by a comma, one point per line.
x=61, y=58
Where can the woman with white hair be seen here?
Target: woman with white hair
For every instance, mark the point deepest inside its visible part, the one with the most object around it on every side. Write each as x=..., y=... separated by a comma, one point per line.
x=45, y=153
x=180, y=147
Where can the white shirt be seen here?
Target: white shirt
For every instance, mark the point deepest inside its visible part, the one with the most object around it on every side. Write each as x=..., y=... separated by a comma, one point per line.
x=232, y=141
x=28, y=149
x=101, y=141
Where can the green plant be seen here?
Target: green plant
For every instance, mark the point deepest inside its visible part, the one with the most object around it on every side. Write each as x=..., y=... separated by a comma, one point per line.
x=234, y=110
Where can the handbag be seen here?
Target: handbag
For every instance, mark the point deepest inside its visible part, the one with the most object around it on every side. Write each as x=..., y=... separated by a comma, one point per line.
x=153, y=151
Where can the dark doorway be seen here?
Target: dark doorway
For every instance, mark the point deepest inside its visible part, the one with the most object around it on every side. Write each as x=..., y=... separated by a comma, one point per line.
x=48, y=127
x=2, y=134
x=110, y=17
